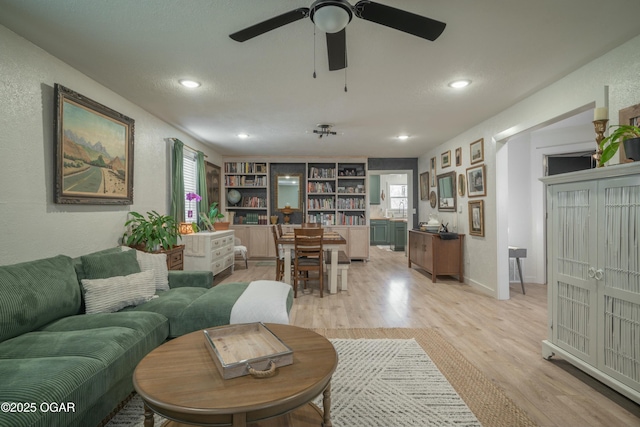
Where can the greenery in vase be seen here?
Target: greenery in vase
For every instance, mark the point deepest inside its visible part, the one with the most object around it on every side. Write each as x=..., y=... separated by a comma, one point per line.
x=611, y=143
x=152, y=232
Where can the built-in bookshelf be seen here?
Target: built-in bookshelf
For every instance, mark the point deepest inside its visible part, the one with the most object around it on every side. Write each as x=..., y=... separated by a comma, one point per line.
x=250, y=180
x=321, y=193
x=351, y=193
x=336, y=193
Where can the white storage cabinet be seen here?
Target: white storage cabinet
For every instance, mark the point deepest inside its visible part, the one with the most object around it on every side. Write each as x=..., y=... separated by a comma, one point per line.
x=593, y=250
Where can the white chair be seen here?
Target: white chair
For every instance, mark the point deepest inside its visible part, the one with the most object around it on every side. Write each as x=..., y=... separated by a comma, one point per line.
x=240, y=251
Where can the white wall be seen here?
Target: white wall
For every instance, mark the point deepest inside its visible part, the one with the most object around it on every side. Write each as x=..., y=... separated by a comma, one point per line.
x=32, y=226
x=486, y=258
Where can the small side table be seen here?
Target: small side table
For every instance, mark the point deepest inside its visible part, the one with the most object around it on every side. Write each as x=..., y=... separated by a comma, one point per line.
x=517, y=253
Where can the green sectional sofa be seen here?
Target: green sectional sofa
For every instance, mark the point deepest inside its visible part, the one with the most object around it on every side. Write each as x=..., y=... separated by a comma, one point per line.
x=62, y=363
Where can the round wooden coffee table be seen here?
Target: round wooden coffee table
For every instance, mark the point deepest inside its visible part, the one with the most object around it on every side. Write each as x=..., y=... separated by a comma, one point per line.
x=180, y=381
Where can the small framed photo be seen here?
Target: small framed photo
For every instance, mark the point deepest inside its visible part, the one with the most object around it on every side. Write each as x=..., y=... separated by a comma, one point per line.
x=445, y=159
x=476, y=181
x=424, y=186
x=432, y=170
x=477, y=151
x=476, y=218
x=459, y=156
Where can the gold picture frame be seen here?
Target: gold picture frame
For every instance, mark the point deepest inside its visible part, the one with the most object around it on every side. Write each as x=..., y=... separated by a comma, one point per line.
x=445, y=159
x=424, y=186
x=93, y=151
x=476, y=181
x=476, y=218
x=432, y=171
x=459, y=156
x=476, y=151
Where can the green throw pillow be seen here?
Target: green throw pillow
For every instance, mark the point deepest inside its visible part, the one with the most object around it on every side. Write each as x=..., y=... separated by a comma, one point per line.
x=102, y=266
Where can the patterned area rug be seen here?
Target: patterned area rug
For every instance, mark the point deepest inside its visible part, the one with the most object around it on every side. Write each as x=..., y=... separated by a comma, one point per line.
x=396, y=378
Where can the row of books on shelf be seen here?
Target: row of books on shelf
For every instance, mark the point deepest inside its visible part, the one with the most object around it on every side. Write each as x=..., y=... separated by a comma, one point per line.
x=251, y=219
x=245, y=181
x=342, y=219
x=351, y=189
x=351, y=203
x=250, y=202
x=319, y=187
x=321, y=218
x=316, y=204
x=318, y=173
x=345, y=219
x=245, y=167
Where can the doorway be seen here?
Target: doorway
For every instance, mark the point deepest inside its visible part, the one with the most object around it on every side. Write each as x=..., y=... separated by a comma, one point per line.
x=521, y=205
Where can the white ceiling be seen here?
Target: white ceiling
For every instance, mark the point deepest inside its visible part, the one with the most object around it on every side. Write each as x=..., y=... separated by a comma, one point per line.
x=397, y=83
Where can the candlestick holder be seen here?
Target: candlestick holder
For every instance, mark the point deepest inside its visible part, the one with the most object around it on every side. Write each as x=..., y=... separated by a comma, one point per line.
x=600, y=127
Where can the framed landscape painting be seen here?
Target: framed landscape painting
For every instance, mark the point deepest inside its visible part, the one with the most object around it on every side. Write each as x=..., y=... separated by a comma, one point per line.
x=94, y=151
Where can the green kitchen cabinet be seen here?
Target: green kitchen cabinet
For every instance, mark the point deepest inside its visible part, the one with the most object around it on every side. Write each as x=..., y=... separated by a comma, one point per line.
x=374, y=189
x=397, y=235
x=379, y=232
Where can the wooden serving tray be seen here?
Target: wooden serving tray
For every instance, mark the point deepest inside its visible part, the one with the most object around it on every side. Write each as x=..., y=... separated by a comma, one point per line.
x=236, y=349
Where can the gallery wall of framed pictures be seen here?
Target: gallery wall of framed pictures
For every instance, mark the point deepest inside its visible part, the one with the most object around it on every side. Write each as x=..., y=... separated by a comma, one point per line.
x=471, y=182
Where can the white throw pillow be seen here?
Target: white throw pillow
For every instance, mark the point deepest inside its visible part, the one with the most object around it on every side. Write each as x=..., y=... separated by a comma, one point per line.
x=115, y=293
x=157, y=262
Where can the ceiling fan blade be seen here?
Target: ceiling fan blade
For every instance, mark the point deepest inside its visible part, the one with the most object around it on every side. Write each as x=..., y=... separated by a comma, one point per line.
x=398, y=19
x=337, y=50
x=270, y=24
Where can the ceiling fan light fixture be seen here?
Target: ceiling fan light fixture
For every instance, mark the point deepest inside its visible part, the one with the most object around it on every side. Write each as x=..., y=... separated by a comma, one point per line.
x=331, y=16
x=191, y=84
x=459, y=84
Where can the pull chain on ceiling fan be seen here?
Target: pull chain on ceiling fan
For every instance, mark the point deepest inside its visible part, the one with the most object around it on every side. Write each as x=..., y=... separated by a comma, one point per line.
x=332, y=17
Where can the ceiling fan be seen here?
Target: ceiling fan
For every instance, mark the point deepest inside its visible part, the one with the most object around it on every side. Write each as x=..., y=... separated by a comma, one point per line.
x=332, y=17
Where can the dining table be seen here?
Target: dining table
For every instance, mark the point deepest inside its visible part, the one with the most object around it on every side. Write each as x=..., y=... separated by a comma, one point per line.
x=331, y=241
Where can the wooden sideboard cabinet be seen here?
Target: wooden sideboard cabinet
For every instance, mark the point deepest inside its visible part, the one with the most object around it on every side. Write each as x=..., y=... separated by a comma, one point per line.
x=211, y=250
x=435, y=255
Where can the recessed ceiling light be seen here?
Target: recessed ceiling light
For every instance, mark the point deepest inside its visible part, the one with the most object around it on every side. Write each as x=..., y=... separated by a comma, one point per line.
x=243, y=136
x=189, y=83
x=403, y=137
x=458, y=84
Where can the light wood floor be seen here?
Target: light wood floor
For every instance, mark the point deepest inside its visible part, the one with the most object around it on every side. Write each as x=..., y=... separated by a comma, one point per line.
x=501, y=338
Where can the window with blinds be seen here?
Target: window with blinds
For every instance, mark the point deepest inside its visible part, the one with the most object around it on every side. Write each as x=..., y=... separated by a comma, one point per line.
x=190, y=172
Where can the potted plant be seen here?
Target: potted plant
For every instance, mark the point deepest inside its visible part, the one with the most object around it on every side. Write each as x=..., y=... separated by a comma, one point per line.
x=629, y=135
x=212, y=218
x=152, y=233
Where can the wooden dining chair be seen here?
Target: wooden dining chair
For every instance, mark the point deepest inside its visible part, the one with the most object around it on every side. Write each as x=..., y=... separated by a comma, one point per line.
x=308, y=257
x=311, y=225
x=279, y=254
